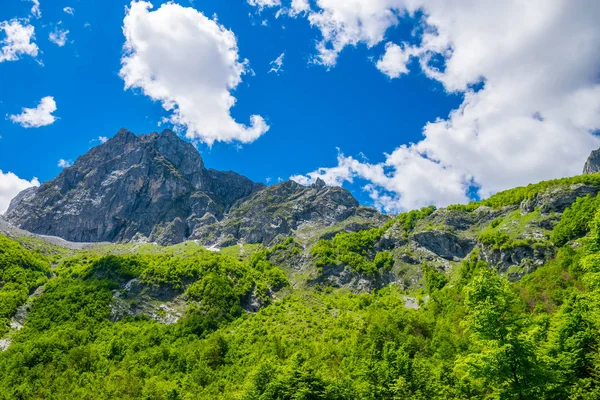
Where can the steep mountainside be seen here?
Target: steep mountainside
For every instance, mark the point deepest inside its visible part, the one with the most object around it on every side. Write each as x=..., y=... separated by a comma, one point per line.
x=155, y=188
x=498, y=299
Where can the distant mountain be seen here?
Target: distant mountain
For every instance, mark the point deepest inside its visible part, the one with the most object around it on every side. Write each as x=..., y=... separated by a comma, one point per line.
x=156, y=188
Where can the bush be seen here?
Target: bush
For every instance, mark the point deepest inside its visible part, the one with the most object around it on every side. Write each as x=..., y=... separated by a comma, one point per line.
x=575, y=220
x=495, y=238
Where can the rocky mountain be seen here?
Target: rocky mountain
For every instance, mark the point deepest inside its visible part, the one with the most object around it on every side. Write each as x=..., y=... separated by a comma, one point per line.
x=156, y=188
x=592, y=165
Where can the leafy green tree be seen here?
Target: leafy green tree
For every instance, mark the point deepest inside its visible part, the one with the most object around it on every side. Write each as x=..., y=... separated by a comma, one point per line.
x=505, y=359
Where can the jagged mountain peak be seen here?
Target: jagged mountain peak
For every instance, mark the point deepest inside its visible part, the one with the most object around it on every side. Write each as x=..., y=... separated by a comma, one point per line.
x=156, y=187
x=152, y=185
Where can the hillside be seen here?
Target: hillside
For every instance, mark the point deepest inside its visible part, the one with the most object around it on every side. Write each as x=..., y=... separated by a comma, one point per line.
x=495, y=299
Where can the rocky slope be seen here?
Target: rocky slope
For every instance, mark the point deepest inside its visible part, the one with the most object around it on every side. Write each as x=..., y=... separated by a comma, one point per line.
x=511, y=232
x=156, y=188
x=285, y=209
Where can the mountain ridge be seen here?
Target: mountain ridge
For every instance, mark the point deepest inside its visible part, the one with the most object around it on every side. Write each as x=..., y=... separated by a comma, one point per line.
x=155, y=187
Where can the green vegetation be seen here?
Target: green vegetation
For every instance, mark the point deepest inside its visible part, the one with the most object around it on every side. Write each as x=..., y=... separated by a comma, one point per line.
x=21, y=272
x=513, y=197
x=479, y=336
x=408, y=220
x=475, y=336
x=356, y=249
x=574, y=222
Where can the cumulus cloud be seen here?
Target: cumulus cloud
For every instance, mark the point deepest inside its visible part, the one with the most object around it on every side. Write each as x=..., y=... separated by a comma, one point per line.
x=277, y=64
x=190, y=64
x=62, y=163
x=17, y=41
x=37, y=117
x=35, y=9
x=58, y=36
x=394, y=61
x=10, y=186
x=102, y=139
x=69, y=10
x=528, y=72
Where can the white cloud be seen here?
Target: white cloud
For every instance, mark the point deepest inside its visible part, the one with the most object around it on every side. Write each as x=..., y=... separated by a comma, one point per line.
x=190, y=64
x=394, y=61
x=533, y=119
x=37, y=117
x=277, y=64
x=69, y=10
x=10, y=186
x=64, y=163
x=299, y=6
x=264, y=3
x=102, y=139
x=35, y=9
x=18, y=40
x=58, y=36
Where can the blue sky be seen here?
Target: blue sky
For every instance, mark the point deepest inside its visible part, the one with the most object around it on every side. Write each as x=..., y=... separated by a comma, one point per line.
x=378, y=84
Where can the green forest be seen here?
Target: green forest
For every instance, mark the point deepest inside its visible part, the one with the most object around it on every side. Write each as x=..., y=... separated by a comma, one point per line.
x=247, y=332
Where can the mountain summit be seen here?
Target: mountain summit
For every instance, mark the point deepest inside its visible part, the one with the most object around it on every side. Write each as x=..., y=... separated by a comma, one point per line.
x=155, y=187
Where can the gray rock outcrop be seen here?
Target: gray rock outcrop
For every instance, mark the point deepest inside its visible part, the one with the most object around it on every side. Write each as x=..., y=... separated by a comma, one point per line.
x=592, y=165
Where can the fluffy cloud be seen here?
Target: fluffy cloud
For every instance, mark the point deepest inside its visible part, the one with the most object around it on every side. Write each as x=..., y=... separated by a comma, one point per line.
x=17, y=41
x=394, y=61
x=102, y=139
x=58, y=36
x=277, y=64
x=64, y=163
x=299, y=6
x=69, y=10
x=533, y=116
x=37, y=117
x=10, y=186
x=190, y=64
x=35, y=9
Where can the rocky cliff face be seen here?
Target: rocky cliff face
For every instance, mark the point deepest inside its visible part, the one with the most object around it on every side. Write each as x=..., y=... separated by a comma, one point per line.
x=153, y=185
x=281, y=210
x=156, y=188
x=592, y=165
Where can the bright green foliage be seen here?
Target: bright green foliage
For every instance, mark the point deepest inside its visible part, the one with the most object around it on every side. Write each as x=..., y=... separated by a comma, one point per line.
x=434, y=280
x=356, y=249
x=506, y=360
x=517, y=195
x=384, y=260
x=497, y=239
x=408, y=220
x=513, y=197
x=21, y=271
x=478, y=336
x=352, y=249
x=575, y=220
